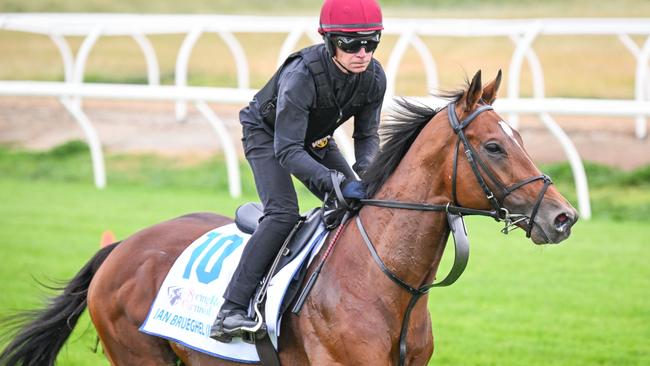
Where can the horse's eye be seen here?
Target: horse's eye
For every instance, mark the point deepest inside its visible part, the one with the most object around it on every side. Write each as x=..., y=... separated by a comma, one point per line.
x=493, y=148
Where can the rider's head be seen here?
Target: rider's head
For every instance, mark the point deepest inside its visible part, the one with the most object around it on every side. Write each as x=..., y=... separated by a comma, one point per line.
x=351, y=30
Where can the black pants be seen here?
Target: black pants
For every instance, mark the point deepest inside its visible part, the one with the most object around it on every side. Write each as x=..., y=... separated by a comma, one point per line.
x=281, y=213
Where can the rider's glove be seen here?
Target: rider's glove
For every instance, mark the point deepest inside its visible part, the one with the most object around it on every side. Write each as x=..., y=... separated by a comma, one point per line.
x=353, y=189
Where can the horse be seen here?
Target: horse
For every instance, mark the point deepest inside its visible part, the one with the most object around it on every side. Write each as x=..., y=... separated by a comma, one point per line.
x=462, y=158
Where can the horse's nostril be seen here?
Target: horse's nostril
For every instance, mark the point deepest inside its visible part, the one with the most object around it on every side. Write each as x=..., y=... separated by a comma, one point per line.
x=562, y=222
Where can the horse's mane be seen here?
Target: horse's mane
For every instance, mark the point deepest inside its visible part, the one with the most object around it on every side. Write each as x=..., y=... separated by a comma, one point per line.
x=399, y=131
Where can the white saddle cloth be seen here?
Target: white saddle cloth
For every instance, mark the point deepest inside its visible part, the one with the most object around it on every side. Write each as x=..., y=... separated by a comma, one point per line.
x=192, y=293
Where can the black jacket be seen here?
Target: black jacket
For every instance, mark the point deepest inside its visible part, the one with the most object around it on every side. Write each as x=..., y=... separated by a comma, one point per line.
x=306, y=100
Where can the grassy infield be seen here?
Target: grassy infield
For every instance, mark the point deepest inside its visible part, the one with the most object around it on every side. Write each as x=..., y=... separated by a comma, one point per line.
x=580, y=303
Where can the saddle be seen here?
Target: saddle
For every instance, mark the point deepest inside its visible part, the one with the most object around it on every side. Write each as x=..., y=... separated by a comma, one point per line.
x=248, y=217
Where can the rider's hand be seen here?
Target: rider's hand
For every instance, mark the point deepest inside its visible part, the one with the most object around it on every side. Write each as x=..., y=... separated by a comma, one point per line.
x=353, y=189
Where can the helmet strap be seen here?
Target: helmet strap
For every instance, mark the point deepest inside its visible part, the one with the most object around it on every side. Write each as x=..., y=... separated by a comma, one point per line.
x=340, y=64
x=331, y=49
x=329, y=45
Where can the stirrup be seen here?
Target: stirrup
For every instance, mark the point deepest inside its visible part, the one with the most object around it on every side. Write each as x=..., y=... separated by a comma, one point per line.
x=252, y=337
x=257, y=317
x=247, y=334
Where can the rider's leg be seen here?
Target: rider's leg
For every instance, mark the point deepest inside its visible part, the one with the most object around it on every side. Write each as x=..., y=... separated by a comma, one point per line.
x=281, y=213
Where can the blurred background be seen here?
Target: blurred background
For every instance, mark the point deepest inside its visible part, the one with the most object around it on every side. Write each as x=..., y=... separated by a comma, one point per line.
x=583, y=302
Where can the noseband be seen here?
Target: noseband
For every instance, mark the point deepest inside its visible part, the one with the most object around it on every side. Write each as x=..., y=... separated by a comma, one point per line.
x=500, y=213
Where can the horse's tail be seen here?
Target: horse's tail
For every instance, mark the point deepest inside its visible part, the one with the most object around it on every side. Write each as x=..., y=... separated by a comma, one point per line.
x=42, y=333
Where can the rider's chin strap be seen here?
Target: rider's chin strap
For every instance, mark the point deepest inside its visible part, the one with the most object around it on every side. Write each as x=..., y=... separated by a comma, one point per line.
x=340, y=64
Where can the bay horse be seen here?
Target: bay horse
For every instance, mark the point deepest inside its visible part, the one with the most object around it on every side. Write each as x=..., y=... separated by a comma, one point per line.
x=354, y=313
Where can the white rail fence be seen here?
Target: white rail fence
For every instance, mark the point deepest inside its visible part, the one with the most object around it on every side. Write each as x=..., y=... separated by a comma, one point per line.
x=409, y=32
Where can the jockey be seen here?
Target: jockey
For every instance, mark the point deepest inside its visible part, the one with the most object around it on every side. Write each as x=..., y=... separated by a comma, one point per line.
x=287, y=130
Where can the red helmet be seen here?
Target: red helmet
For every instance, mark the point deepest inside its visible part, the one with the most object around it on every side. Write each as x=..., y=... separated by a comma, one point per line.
x=350, y=16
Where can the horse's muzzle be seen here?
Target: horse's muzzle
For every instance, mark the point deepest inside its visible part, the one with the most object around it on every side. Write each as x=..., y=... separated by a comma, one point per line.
x=553, y=225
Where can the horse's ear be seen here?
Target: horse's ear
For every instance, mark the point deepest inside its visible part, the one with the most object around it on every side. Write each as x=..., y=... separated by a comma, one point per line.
x=490, y=90
x=474, y=92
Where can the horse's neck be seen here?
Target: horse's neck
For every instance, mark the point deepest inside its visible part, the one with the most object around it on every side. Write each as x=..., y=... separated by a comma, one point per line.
x=411, y=243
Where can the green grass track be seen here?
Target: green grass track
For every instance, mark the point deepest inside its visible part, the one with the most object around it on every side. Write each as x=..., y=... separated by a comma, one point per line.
x=583, y=302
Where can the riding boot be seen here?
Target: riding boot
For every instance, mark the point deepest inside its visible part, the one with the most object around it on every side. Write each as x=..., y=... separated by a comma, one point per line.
x=230, y=322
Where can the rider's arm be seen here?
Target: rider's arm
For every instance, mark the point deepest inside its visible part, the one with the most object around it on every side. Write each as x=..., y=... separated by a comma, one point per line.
x=366, y=124
x=296, y=95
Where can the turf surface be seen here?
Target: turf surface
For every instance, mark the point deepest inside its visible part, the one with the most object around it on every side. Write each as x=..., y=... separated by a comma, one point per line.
x=583, y=302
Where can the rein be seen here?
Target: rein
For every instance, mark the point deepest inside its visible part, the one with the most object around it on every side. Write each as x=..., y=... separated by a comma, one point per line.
x=461, y=245
x=449, y=208
x=454, y=216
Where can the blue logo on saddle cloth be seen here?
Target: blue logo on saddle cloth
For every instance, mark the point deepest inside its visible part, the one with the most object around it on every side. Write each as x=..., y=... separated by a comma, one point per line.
x=192, y=293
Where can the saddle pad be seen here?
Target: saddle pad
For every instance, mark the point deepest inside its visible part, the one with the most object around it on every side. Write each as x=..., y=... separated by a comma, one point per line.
x=192, y=293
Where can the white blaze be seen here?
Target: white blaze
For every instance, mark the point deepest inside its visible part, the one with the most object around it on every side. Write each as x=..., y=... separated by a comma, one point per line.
x=508, y=130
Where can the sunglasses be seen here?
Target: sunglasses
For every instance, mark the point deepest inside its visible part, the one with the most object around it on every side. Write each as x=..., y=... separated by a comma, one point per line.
x=354, y=44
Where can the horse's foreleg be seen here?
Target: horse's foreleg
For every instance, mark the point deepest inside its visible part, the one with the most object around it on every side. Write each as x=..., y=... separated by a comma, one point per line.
x=343, y=338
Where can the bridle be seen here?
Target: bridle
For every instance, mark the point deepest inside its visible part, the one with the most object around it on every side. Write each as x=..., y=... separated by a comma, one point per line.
x=475, y=161
x=499, y=213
